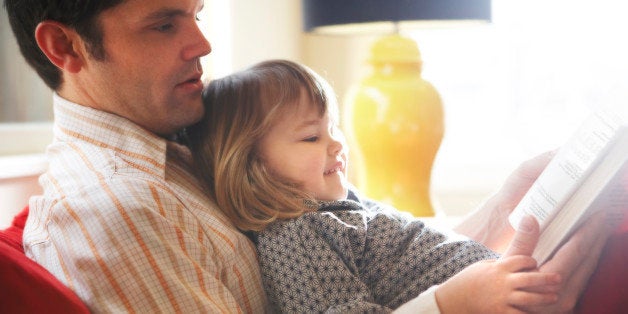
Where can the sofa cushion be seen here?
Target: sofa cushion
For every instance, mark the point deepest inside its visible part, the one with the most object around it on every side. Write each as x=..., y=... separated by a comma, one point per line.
x=25, y=286
x=12, y=235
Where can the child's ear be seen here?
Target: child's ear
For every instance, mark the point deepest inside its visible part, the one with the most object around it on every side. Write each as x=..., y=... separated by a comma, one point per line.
x=60, y=44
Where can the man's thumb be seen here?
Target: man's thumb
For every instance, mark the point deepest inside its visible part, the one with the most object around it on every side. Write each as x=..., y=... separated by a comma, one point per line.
x=525, y=238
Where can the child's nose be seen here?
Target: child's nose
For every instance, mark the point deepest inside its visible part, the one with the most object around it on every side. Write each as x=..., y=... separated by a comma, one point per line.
x=335, y=147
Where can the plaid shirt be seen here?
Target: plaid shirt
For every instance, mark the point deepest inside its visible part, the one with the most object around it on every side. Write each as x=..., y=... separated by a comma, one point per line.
x=124, y=224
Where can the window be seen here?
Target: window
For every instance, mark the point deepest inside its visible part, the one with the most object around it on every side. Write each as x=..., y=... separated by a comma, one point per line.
x=520, y=85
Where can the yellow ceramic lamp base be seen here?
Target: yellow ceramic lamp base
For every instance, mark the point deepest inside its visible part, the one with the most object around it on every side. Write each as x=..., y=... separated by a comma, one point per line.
x=394, y=119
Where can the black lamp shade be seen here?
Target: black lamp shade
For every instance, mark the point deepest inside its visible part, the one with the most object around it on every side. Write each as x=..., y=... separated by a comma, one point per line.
x=317, y=13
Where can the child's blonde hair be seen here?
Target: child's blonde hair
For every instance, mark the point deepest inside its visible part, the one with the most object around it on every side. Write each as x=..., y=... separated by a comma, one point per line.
x=239, y=110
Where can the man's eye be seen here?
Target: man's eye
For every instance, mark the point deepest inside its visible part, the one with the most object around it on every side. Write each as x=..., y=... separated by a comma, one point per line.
x=198, y=19
x=311, y=139
x=164, y=27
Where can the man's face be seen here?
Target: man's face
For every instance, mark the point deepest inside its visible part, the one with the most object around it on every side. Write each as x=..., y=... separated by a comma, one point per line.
x=151, y=72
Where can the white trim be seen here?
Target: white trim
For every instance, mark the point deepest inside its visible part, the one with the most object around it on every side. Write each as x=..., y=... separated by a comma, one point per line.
x=20, y=166
x=19, y=175
x=24, y=138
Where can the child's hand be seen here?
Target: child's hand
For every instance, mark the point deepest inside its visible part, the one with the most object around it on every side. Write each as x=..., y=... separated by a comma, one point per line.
x=498, y=286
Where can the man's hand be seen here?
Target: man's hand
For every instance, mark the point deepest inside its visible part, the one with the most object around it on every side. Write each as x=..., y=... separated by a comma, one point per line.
x=489, y=223
x=576, y=260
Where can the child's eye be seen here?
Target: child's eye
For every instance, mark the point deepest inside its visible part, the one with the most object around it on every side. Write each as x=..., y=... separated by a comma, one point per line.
x=311, y=139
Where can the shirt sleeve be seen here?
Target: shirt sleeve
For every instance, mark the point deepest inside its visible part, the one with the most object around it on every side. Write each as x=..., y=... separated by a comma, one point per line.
x=425, y=303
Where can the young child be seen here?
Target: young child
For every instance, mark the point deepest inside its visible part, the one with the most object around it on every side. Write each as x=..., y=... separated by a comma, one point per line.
x=275, y=161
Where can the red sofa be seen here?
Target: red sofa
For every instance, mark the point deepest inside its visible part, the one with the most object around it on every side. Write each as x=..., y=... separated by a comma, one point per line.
x=26, y=287
x=607, y=291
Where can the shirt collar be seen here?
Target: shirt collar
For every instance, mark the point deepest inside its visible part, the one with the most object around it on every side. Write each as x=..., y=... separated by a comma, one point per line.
x=77, y=123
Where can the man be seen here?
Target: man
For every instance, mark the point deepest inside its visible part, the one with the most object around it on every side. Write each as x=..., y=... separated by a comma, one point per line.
x=123, y=222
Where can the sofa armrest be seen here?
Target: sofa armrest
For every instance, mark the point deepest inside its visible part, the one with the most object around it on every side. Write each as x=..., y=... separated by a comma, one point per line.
x=25, y=286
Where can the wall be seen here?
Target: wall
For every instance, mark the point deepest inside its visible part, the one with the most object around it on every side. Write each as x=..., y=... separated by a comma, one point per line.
x=245, y=32
x=21, y=90
x=511, y=89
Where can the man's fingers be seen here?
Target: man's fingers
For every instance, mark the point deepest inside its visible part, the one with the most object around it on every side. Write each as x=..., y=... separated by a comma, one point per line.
x=525, y=238
x=520, y=181
x=576, y=260
x=586, y=242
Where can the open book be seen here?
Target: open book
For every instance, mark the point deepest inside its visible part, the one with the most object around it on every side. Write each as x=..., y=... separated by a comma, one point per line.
x=588, y=173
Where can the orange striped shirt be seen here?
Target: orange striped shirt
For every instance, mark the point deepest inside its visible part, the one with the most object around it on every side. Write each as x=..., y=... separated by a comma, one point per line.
x=124, y=224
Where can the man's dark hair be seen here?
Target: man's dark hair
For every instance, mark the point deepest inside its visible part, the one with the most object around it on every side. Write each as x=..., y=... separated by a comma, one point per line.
x=81, y=15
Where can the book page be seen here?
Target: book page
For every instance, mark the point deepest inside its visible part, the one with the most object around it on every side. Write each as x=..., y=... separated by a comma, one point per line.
x=561, y=177
x=601, y=189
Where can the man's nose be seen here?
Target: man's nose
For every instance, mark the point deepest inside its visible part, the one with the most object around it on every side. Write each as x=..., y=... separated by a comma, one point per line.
x=199, y=45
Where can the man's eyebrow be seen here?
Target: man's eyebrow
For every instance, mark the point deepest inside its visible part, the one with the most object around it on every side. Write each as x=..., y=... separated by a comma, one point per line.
x=164, y=13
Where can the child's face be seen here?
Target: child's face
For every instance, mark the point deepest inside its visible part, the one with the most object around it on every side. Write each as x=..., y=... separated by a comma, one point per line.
x=309, y=149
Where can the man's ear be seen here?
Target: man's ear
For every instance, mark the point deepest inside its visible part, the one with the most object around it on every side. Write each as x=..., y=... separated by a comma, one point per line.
x=59, y=43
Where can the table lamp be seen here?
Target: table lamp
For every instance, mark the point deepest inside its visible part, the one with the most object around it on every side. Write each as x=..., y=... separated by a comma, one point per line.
x=393, y=118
